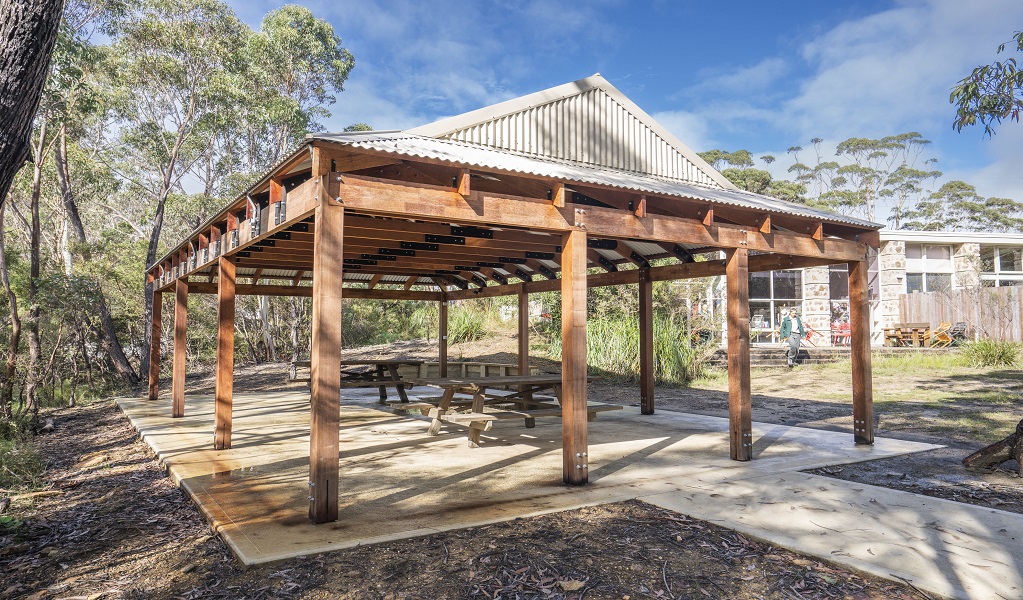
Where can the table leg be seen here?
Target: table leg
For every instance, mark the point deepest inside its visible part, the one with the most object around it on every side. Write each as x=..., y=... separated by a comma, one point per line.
x=393, y=370
x=383, y=388
x=442, y=408
x=476, y=427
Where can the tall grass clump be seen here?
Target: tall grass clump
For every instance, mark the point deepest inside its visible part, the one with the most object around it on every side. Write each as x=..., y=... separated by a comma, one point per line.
x=612, y=348
x=21, y=466
x=474, y=320
x=991, y=353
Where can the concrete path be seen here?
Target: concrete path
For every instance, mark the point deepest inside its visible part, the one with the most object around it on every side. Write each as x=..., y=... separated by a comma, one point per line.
x=398, y=482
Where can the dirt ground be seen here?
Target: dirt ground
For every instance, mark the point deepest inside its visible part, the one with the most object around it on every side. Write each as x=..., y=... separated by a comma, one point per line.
x=111, y=525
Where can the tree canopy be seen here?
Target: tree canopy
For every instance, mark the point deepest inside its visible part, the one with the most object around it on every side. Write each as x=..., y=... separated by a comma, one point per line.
x=991, y=92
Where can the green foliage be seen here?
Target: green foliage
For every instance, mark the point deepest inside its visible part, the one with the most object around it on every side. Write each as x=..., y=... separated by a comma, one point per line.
x=612, y=332
x=467, y=323
x=21, y=467
x=367, y=322
x=956, y=206
x=991, y=353
x=990, y=93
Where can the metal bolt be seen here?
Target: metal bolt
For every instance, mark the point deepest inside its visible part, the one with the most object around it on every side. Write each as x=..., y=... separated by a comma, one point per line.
x=584, y=454
x=578, y=454
x=585, y=466
x=311, y=498
x=312, y=484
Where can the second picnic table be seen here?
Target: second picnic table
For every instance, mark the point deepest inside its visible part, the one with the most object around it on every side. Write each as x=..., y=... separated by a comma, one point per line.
x=383, y=374
x=489, y=391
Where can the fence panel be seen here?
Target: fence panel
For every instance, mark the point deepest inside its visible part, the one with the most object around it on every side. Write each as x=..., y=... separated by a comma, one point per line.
x=992, y=313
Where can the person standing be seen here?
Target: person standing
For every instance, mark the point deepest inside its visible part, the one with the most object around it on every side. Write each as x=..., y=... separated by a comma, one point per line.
x=792, y=330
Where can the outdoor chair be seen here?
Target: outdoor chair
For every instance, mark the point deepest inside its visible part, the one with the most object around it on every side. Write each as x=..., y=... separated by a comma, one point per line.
x=958, y=332
x=841, y=334
x=935, y=336
x=810, y=334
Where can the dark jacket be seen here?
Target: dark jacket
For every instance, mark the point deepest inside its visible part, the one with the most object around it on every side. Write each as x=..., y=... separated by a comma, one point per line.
x=786, y=327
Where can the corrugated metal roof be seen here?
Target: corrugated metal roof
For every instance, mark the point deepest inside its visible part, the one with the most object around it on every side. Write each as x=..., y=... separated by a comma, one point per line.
x=589, y=122
x=458, y=153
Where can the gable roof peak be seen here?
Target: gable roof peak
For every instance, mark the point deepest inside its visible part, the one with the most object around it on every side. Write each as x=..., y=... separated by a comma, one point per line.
x=587, y=121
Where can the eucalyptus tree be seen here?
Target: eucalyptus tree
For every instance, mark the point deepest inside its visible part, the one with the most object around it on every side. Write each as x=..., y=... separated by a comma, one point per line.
x=991, y=92
x=957, y=206
x=170, y=66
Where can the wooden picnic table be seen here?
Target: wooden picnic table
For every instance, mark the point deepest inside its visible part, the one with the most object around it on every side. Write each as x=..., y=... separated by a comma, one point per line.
x=908, y=334
x=527, y=405
x=381, y=374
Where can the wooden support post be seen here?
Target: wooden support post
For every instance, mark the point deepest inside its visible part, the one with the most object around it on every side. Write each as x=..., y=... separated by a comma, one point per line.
x=740, y=412
x=524, y=339
x=180, y=327
x=325, y=356
x=646, y=343
x=523, y=331
x=155, y=330
x=573, y=358
x=442, y=336
x=859, y=321
x=224, y=392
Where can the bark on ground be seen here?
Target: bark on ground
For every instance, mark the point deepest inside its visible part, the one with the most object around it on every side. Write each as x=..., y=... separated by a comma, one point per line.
x=111, y=525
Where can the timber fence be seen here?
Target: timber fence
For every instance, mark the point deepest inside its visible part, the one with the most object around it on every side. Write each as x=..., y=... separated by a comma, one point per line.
x=990, y=313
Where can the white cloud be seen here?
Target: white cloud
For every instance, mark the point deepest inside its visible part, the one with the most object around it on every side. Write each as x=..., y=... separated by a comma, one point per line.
x=691, y=128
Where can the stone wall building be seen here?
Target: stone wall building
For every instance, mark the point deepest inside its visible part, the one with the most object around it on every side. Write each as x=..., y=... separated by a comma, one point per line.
x=907, y=262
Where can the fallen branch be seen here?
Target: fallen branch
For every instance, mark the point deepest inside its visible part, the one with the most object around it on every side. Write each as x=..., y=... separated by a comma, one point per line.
x=1010, y=448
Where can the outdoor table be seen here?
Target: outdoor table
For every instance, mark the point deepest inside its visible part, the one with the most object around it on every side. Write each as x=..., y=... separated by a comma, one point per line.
x=916, y=333
x=481, y=388
x=383, y=373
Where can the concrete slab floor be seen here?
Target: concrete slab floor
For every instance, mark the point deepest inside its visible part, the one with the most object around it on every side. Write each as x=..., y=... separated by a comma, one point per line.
x=398, y=482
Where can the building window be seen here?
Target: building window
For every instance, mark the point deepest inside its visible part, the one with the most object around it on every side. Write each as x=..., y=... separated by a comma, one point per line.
x=1001, y=265
x=929, y=268
x=838, y=279
x=771, y=296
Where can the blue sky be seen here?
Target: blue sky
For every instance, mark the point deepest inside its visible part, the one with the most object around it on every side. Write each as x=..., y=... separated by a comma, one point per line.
x=762, y=76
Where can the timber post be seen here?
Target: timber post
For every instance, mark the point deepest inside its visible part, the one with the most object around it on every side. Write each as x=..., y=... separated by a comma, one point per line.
x=442, y=335
x=646, y=343
x=573, y=358
x=224, y=393
x=740, y=412
x=155, y=330
x=859, y=319
x=325, y=358
x=523, y=316
x=180, y=342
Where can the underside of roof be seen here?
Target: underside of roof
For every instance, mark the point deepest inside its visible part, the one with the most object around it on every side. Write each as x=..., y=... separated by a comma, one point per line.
x=587, y=122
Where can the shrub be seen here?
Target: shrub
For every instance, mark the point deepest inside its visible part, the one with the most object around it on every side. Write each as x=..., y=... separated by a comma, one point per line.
x=991, y=353
x=21, y=466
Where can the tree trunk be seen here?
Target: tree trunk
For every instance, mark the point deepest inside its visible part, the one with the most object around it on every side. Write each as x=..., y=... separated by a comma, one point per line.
x=35, y=349
x=1010, y=448
x=11, y=366
x=28, y=31
x=106, y=332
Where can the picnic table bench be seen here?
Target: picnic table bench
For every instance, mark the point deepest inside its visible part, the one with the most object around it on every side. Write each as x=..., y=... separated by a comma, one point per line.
x=477, y=394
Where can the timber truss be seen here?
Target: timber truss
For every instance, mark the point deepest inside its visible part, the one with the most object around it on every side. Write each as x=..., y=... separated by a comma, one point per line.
x=336, y=221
